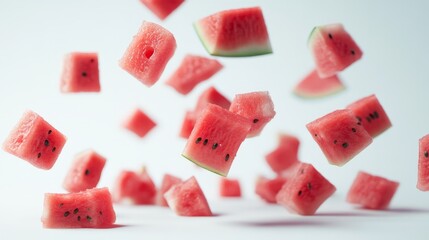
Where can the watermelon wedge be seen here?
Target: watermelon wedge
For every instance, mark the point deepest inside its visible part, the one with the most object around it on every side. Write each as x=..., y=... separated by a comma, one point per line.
x=167, y=182
x=313, y=86
x=162, y=8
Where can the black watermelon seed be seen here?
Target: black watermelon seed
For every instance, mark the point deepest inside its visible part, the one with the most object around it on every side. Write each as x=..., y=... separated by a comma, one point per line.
x=315, y=134
x=376, y=114
x=198, y=140
x=368, y=119
x=39, y=155
x=353, y=129
x=359, y=118
x=76, y=210
x=100, y=212
x=205, y=141
x=84, y=74
x=345, y=145
x=359, y=123
x=66, y=214
x=53, y=149
x=87, y=172
x=46, y=142
x=330, y=36
x=50, y=131
x=335, y=141
x=255, y=120
x=215, y=146
x=226, y=157
x=299, y=193
x=426, y=154
x=309, y=185
x=61, y=204
x=352, y=52
x=371, y=116
x=78, y=218
x=88, y=218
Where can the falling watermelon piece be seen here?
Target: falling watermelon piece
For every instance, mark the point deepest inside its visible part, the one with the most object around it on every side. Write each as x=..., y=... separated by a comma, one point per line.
x=285, y=155
x=423, y=165
x=135, y=188
x=162, y=8
x=333, y=49
x=215, y=139
x=167, y=182
x=80, y=73
x=34, y=140
x=229, y=187
x=148, y=53
x=267, y=188
x=313, y=86
x=139, y=123
x=188, y=124
x=234, y=33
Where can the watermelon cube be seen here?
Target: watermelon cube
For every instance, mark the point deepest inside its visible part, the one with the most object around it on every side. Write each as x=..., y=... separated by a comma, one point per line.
x=148, y=53
x=285, y=155
x=340, y=136
x=188, y=124
x=139, y=123
x=423, y=165
x=372, y=192
x=162, y=8
x=167, y=182
x=229, y=187
x=85, y=171
x=80, y=73
x=306, y=191
x=134, y=188
x=92, y=208
x=34, y=140
x=267, y=188
x=313, y=86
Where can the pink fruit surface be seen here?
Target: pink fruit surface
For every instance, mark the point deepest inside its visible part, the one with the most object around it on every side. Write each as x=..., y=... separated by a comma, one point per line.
x=162, y=8
x=167, y=182
x=423, y=164
x=229, y=187
x=267, y=188
x=80, y=73
x=135, y=188
x=139, y=123
x=313, y=86
x=285, y=155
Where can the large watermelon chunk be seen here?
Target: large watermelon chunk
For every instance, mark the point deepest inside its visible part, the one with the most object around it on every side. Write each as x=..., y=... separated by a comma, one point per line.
x=229, y=187
x=34, y=140
x=255, y=106
x=215, y=139
x=80, y=73
x=333, y=49
x=85, y=171
x=167, y=182
x=313, y=86
x=187, y=199
x=305, y=191
x=423, y=165
x=267, y=189
x=148, y=53
x=285, y=155
x=92, y=208
x=193, y=70
x=139, y=123
x=235, y=33
x=135, y=188
x=371, y=114
x=162, y=8
x=340, y=136
x=372, y=192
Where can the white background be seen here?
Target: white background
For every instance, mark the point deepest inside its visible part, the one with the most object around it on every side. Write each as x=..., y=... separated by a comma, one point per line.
x=35, y=35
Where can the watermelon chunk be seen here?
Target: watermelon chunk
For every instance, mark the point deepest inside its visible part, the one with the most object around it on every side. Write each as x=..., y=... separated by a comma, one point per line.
x=340, y=136
x=285, y=155
x=139, y=123
x=162, y=8
x=215, y=139
x=192, y=71
x=234, y=33
x=423, y=165
x=135, y=188
x=92, y=208
x=85, y=171
x=80, y=73
x=213, y=96
x=188, y=124
x=187, y=199
x=229, y=187
x=306, y=191
x=255, y=106
x=372, y=192
x=371, y=114
x=167, y=182
x=313, y=86
x=148, y=53
x=333, y=49
x=267, y=189
x=36, y=141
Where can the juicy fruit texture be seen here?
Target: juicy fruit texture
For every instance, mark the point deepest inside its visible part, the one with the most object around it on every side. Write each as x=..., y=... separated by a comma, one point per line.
x=167, y=182
x=371, y=114
x=85, y=171
x=306, y=191
x=80, y=73
x=285, y=155
x=423, y=165
x=148, y=53
x=135, y=188
x=234, y=33
x=255, y=106
x=267, y=188
x=34, y=140
x=88, y=209
x=187, y=199
x=333, y=49
x=229, y=187
x=340, y=136
x=215, y=139
x=139, y=123
x=372, y=192
x=193, y=70
x=313, y=86
x=188, y=124
x=162, y=8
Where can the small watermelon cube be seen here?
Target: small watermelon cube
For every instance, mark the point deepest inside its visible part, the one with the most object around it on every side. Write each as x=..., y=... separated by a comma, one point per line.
x=192, y=71
x=167, y=182
x=80, y=73
x=92, y=208
x=423, y=165
x=188, y=124
x=162, y=8
x=285, y=155
x=215, y=139
x=257, y=107
x=340, y=136
x=306, y=191
x=267, y=189
x=134, y=188
x=139, y=123
x=34, y=140
x=313, y=86
x=229, y=187
x=372, y=192
x=85, y=171
x=149, y=53
x=187, y=199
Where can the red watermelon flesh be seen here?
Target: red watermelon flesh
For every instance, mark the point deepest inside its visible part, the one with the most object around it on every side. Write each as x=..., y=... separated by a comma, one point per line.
x=372, y=192
x=187, y=199
x=92, y=208
x=80, y=73
x=313, y=86
x=85, y=171
x=192, y=71
x=235, y=32
x=339, y=135
x=135, y=188
x=188, y=124
x=285, y=155
x=229, y=187
x=34, y=140
x=423, y=165
x=267, y=189
x=162, y=8
x=371, y=114
x=139, y=123
x=167, y=182
x=333, y=49
x=215, y=139
x=255, y=106
x=306, y=191
x=148, y=53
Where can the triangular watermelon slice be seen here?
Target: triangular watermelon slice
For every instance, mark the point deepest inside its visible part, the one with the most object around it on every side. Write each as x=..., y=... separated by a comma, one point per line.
x=313, y=86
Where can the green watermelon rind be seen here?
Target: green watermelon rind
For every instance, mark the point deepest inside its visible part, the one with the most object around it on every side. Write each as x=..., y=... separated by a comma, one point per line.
x=305, y=95
x=205, y=166
x=312, y=35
